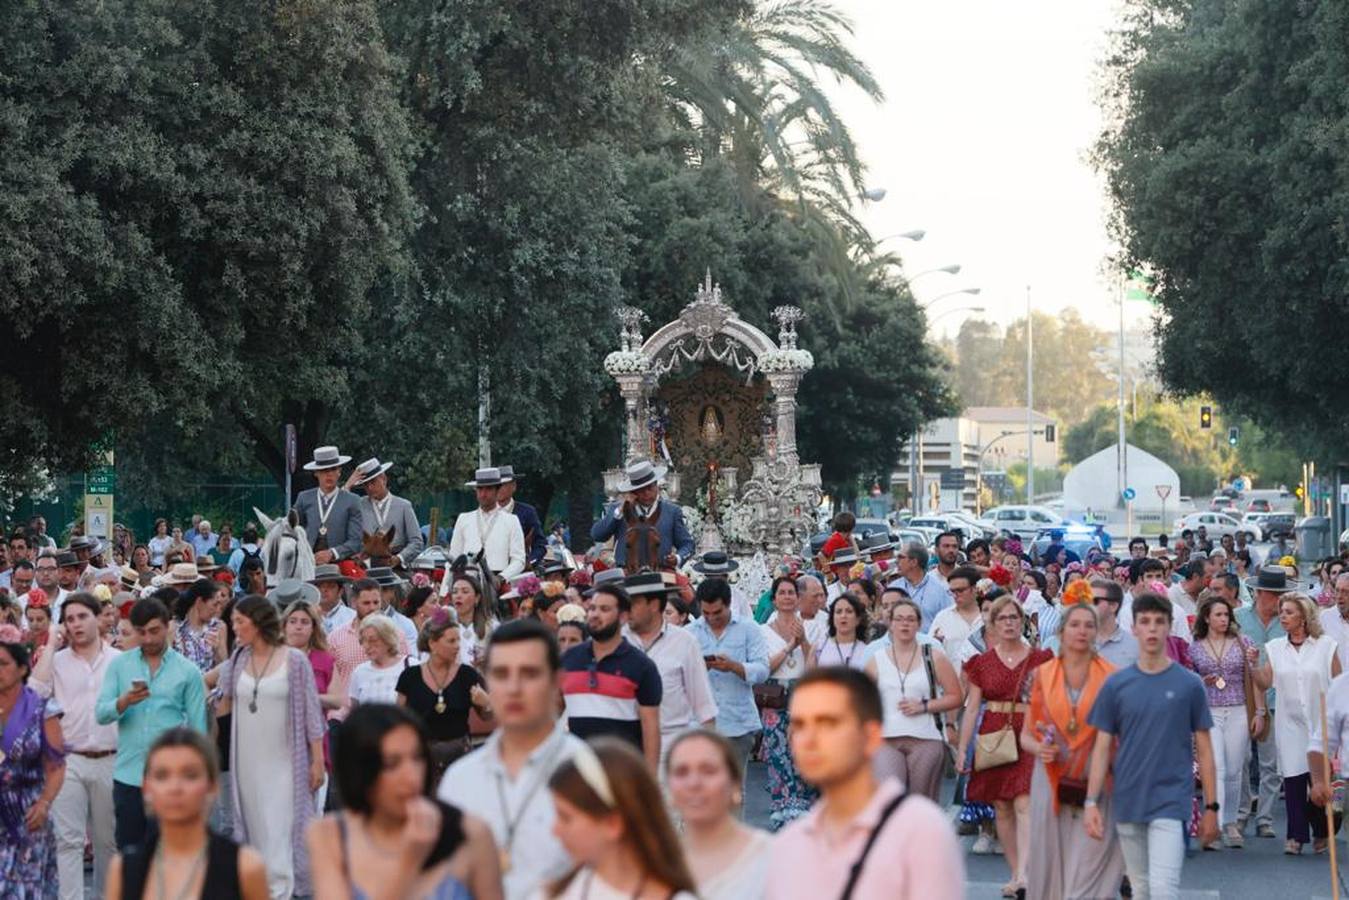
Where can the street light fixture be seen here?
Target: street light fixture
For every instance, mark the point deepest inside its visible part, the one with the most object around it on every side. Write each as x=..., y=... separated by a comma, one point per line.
x=916, y=235
x=875, y=195
x=973, y=292
x=959, y=309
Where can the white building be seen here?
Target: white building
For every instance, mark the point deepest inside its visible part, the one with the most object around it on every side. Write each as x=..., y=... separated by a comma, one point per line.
x=1091, y=487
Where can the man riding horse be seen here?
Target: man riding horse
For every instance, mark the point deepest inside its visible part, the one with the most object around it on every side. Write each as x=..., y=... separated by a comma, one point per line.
x=648, y=531
x=330, y=515
x=390, y=535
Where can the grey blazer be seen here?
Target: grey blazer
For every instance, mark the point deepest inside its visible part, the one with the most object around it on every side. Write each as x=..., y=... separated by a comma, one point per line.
x=408, y=542
x=344, y=522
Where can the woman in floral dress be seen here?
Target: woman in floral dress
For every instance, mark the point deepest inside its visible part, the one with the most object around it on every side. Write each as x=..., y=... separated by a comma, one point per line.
x=788, y=652
x=31, y=772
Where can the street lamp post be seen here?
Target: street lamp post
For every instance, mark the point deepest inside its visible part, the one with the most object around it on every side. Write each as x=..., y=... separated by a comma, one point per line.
x=1030, y=405
x=973, y=292
x=915, y=235
x=959, y=309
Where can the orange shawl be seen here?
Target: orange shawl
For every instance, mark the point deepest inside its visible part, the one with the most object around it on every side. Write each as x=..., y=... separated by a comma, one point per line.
x=1050, y=705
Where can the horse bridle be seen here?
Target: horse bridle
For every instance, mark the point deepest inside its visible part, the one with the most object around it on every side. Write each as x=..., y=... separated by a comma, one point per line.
x=286, y=534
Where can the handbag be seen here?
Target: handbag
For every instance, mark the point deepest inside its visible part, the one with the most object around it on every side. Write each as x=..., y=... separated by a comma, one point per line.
x=1001, y=748
x=1248, y=685
x=1072, y=790
x=770, y=695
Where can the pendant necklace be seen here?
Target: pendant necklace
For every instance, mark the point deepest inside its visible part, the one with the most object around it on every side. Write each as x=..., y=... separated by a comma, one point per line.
x=1074, y=697
x=257, y=680
x=439, y=688
x=1220, y=682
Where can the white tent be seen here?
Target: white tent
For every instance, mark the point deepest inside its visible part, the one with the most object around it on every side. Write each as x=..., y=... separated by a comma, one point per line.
x=1091, y=484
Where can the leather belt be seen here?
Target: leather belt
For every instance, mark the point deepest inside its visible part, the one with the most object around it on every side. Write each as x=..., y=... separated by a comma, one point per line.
x=93, y=754
x=1006, y=706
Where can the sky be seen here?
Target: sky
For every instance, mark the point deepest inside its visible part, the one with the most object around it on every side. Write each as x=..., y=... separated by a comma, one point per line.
x=983, y=142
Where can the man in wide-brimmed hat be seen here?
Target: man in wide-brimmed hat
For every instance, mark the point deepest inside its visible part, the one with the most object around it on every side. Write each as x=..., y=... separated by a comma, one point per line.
x=648, y=531
x=530, y=523
x=384, y=511
x=330, y=582
x=489, y=529
x=715, y=564
x=331, y=516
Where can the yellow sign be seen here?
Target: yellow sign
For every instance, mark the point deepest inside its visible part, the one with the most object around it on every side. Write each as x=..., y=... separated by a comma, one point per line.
x=98, y=516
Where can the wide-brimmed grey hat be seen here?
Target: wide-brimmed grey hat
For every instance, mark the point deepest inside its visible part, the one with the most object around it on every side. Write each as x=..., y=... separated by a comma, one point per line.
x=607, y=578
x=371, y=469
x=289, y=590
x=328, y=572
x=554, y=563
x=644, y=583
x=879, y=542
x=430, y=559
x=508, y=473
x=384, y=576
x=845, y=556
x=715, y=562
x=639, y=475
x=326, y=458
x=1273, y=579
x=488, y=477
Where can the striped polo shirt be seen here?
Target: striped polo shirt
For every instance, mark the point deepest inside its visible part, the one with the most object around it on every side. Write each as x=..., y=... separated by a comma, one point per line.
x=603, y=697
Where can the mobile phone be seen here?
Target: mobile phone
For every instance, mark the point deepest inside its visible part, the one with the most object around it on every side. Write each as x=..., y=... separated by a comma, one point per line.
x=708, y=659
x=138, y=684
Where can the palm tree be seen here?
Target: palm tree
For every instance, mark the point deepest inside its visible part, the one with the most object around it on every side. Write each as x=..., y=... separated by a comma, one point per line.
x=752, y=95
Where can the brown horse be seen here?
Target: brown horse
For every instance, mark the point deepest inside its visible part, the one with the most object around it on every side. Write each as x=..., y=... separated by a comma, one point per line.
x=375, y=547
x=642, y=539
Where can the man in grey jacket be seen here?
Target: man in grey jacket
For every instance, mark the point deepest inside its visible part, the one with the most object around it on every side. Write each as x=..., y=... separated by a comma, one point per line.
x=382, y=510
x=330, y=516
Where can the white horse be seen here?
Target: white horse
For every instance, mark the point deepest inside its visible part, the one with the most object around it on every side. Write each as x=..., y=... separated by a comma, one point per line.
x=285, y=550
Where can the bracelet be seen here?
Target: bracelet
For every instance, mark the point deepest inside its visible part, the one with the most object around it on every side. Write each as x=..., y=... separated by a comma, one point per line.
x=1260, y=712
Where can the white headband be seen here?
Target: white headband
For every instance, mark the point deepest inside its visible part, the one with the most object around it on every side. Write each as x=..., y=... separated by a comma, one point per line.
x=591, y=770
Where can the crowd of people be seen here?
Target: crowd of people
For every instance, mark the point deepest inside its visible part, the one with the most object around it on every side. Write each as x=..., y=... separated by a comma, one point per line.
x=492, y=716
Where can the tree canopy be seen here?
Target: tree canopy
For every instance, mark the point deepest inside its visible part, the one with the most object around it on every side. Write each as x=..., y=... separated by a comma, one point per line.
x=1227, y=159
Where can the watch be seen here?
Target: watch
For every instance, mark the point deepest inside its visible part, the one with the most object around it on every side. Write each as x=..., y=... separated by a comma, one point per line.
x=1211, y=807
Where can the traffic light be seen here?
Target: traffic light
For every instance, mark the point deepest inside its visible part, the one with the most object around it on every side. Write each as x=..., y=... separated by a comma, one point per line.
x=1205, y=417
x=1298, y=492
x=1049, y=433
x=1233, y=435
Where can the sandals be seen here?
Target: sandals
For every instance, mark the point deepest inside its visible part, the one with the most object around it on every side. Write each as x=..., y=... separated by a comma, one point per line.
x=1319, y=845
x=1292, y=848
x=1014, y=889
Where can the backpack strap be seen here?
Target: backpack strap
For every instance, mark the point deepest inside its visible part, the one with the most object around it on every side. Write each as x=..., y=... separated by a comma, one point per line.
x=856, y=872
x=932, y=683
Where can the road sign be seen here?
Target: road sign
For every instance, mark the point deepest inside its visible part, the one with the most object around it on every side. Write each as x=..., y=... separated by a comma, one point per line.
x=1239, y=485
x=102, y=480
x=953, y=479
x=98, y=515
x=1163, y=491
x=1129, y=494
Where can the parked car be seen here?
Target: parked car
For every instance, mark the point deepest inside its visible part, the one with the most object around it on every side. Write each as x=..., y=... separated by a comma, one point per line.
x=1025, y=522
x=1216, y=524
x=968, y=527
x=1080, y=539
x=1258, y=505
x=1222, y=503
x=1254, y=522
x=973, y=528
x=1277, y=524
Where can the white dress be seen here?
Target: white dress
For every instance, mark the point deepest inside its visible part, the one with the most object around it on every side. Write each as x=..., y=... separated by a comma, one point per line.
x=586, y=885
x=853, y=655
x=262, y=768
x=1300, y=677
x=745, y=878
x=913, y=686
x=794, y=666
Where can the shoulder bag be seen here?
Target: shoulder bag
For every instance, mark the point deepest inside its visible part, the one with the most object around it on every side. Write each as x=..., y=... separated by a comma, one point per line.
x=856, y=871
x=1001, y=747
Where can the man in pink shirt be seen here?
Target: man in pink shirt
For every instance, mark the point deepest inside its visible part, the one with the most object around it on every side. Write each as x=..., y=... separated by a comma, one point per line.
x=863, y=838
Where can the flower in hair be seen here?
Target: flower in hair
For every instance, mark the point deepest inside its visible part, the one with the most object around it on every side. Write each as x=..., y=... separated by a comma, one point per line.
x=553, y=589
x=420, y=580
x=102, y=593
x=1000, y=575
x=1077, y=592
x=10, y=634
x=37, y=599
x=527, y=585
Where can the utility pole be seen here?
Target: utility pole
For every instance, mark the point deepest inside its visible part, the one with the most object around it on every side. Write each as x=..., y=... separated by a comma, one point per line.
x=1030, y=405
x=1122, y=468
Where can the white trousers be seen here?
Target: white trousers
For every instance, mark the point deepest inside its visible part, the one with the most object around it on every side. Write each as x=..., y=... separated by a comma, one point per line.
x=83, y=809
x=1153, y=853
x=1231, y=746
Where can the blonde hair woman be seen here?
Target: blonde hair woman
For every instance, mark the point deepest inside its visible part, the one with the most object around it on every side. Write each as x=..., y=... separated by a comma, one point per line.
x=1300, y=666
x=376, y=679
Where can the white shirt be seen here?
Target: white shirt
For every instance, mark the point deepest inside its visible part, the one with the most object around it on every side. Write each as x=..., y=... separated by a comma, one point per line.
x=370, y=685
x=686, y=691
x=817, y=629
x=341, y=615
x=950, y=627
x=75, y=684
x=1180, y=622
x=1333, y=624
x=1337, y=718
x=479, y=784
x=1180, y=597
x=505, y=541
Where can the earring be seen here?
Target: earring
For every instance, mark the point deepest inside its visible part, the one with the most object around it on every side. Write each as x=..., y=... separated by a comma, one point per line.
x=737, y=798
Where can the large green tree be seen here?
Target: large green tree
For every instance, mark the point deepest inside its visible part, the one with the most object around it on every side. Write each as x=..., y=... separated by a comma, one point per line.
x=196, y=198
x=1227, y=160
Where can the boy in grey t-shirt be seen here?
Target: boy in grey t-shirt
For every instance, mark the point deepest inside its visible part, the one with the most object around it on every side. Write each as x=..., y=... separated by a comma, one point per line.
x=1153, y=708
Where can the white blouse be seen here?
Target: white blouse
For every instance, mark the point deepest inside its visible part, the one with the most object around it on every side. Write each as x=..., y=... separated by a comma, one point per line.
x=794, y=666
x=371, y=685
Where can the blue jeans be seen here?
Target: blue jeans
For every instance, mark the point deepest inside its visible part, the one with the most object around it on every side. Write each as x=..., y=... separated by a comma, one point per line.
x=1153, y=853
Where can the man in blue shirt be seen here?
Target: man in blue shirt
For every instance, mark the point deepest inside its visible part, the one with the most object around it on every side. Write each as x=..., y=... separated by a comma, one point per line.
x=737, y=659
x=923, y=587
x=1153, y=707
x=146, y=691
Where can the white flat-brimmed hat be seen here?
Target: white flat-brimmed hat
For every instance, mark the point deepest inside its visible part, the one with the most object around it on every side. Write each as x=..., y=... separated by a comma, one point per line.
x=181, y=573
x=639, y=475
x=288, y=590
x=326, y=458
x=488, y=477
x=371, y=469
